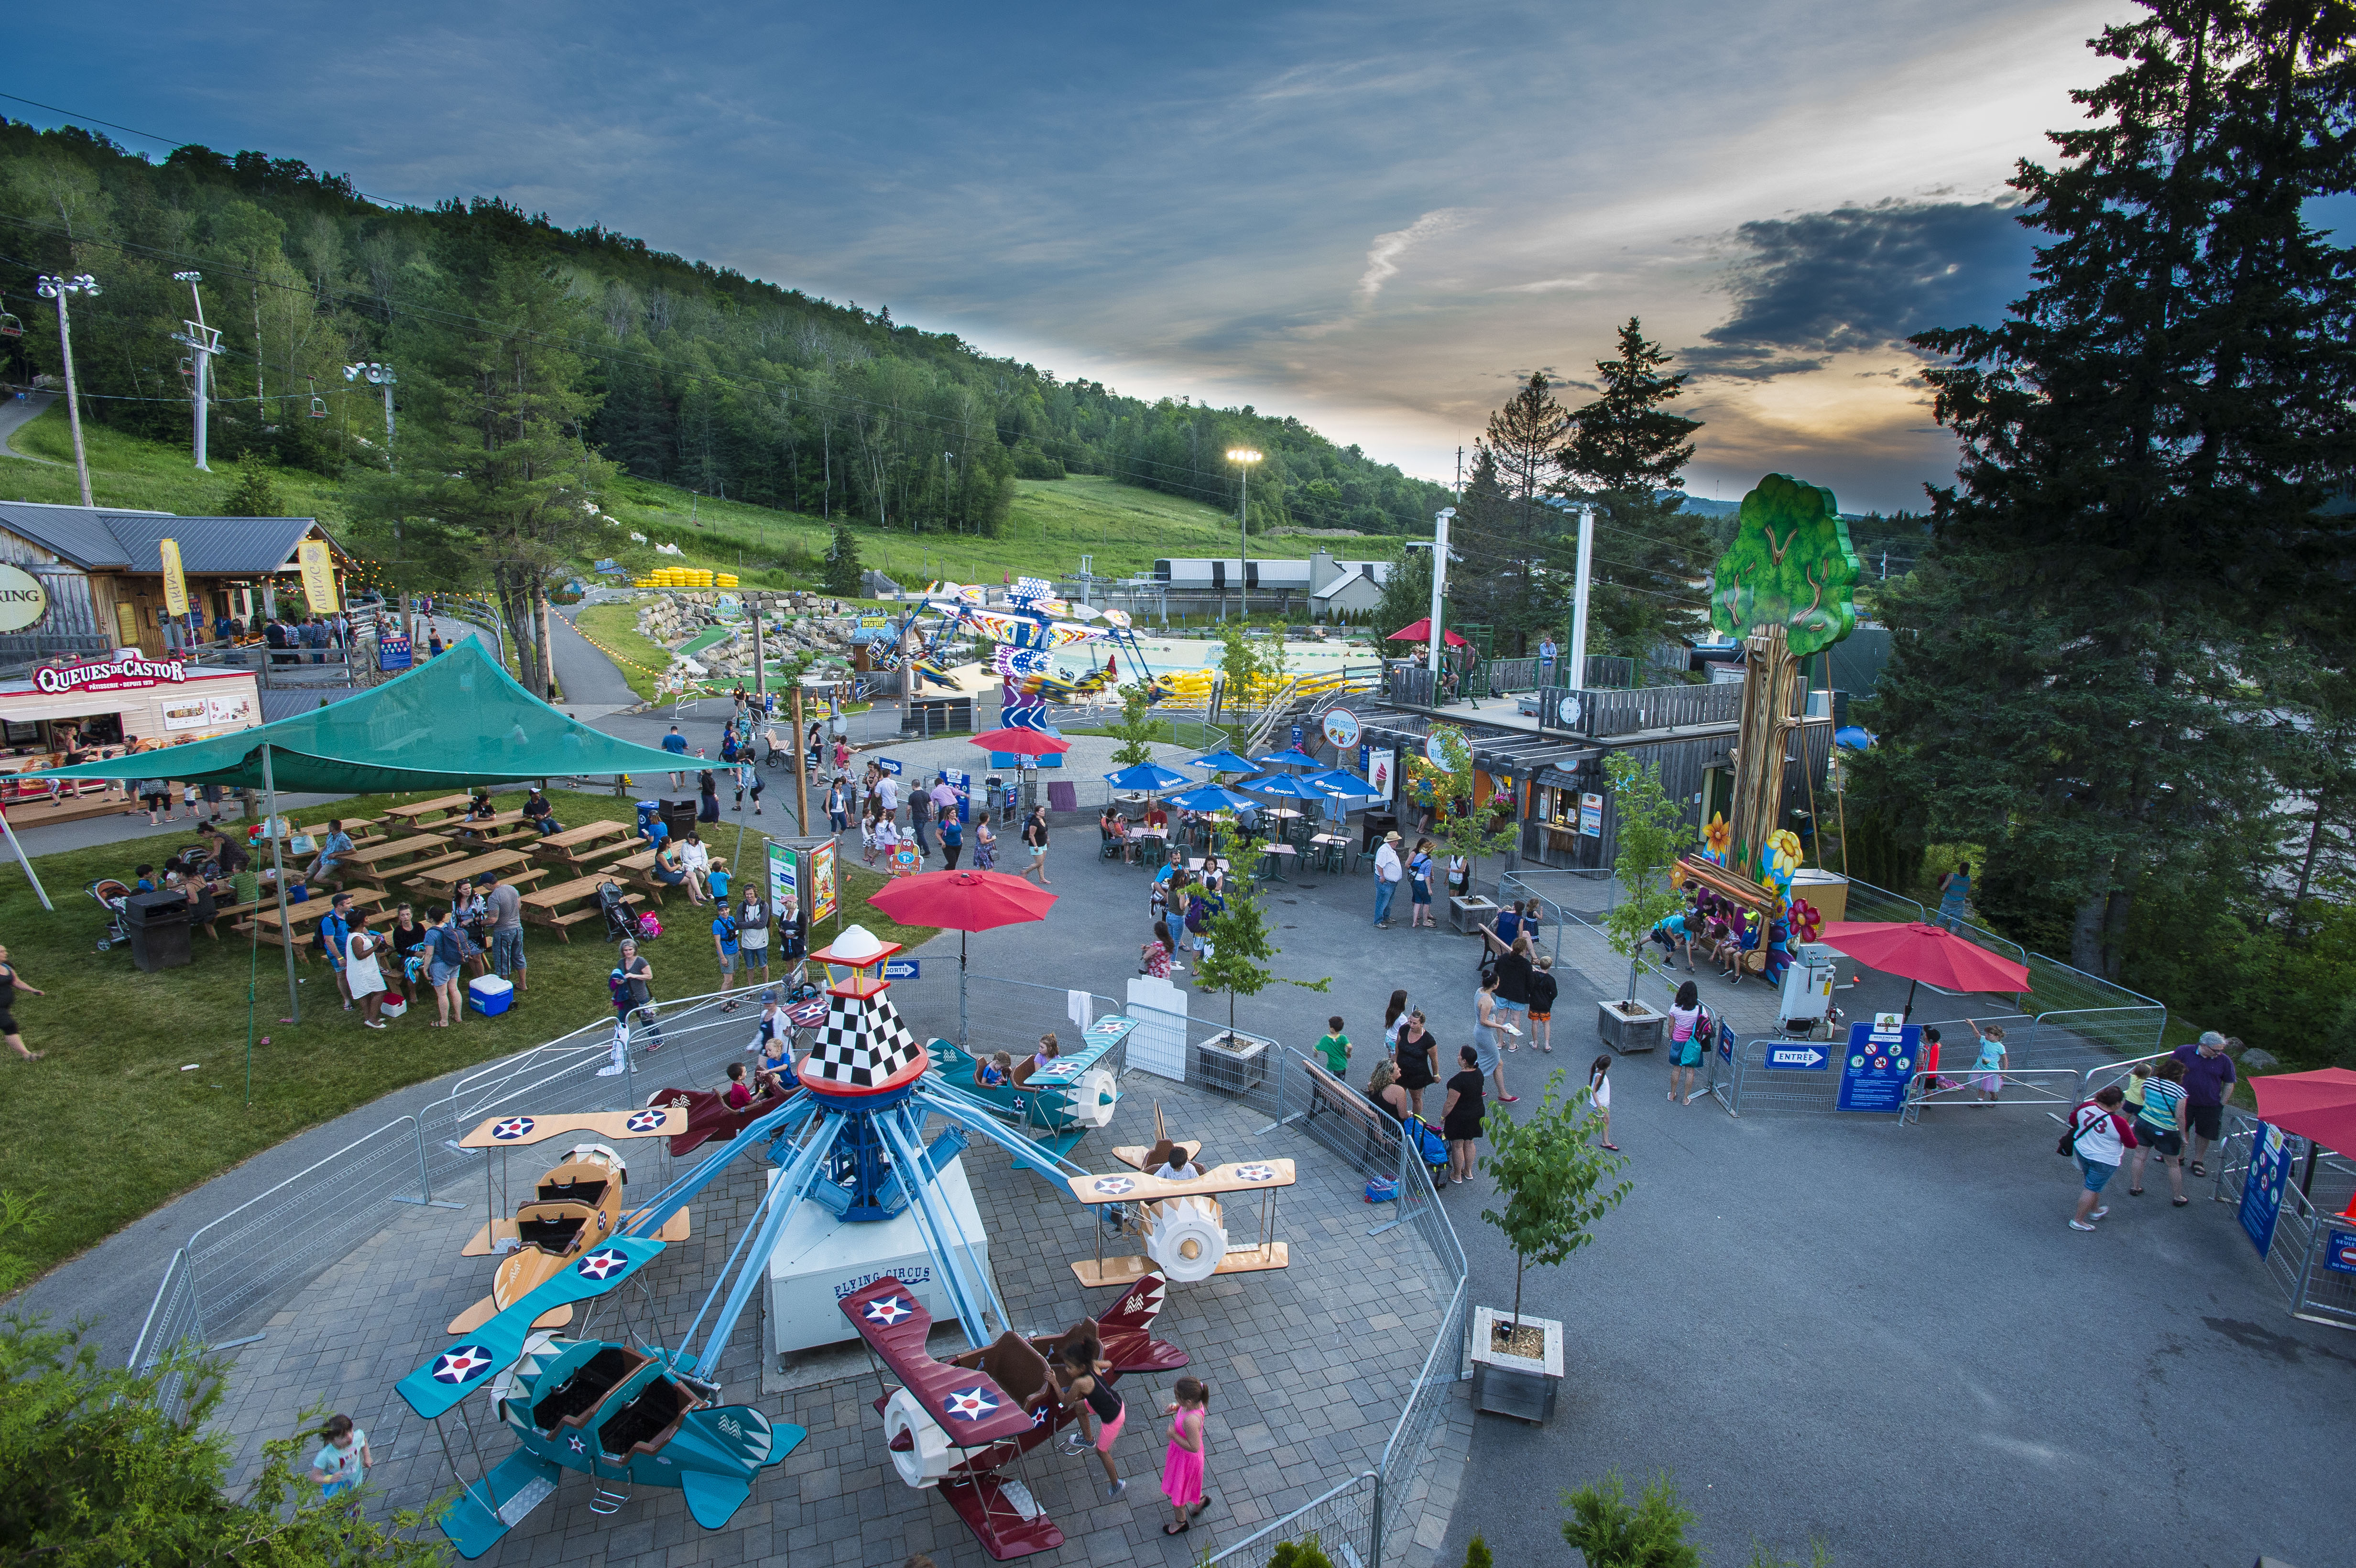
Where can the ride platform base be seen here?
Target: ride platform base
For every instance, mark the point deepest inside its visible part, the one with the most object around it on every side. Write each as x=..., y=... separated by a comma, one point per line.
x=520, y=1483
x=1002, y=1516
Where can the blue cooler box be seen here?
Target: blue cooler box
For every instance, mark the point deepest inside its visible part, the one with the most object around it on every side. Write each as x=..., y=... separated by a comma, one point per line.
x=489, y=996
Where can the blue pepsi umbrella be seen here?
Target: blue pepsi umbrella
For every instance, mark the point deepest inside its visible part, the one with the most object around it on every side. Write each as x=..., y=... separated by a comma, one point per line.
x=1145, y=776
x=1227, y=763
x=1343, y=783
x=1288, y=785
x=1211, y=797
x=1294, y=757
x=1854, y=738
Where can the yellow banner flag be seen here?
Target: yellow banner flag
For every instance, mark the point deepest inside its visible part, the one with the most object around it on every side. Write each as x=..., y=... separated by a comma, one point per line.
x=318, y=576
x=175, y=586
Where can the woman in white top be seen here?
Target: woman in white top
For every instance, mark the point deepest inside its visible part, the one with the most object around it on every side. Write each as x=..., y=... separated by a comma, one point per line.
x=360, y=972
x=1599, y=1091
x=696, y=861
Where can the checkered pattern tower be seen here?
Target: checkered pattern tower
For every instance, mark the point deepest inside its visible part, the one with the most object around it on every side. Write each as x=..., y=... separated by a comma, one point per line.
x=863, y=1048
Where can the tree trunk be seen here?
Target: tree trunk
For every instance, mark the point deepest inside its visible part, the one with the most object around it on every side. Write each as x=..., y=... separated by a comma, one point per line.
x=2086, y=934
x=1517, y=1292
x=544, y=638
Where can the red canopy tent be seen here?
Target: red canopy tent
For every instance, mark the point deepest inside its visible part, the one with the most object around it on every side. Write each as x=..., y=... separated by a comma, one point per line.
x=2320, y=1105
x=1421, y=633
x=1028, y=742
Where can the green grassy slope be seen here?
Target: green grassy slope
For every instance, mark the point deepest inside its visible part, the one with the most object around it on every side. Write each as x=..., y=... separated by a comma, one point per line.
x=1123, y=529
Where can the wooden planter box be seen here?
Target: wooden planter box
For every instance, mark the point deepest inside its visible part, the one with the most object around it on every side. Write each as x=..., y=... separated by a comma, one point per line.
x=1468, y=913
x=1625, y=1032
x=1520, y=1386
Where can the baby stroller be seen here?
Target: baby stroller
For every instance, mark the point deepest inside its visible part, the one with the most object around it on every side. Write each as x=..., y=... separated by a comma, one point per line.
x=110, y=895
x=614, y=905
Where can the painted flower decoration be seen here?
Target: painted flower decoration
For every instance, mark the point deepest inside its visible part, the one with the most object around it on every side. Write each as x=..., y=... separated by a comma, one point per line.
x=1719, y=836
x=1784, y=853
x=1807, y=924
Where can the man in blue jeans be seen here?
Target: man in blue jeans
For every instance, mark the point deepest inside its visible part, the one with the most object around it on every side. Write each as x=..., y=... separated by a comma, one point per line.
x=1387, y=873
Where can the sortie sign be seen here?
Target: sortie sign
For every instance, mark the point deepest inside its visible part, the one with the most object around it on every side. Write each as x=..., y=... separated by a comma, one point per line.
x=113, y=675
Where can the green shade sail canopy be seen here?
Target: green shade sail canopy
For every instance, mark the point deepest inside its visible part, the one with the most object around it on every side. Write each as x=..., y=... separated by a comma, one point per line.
x=455, y=721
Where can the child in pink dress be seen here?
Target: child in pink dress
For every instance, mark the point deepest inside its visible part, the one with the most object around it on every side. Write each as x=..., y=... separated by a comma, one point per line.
x=1182, y=1469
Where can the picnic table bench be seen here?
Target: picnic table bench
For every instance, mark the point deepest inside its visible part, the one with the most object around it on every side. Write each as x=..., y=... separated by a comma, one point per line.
x=484, y=826
x=445, y=880
x=639, y=871
x=381, y=863
x=588, y=843
x=264, y=925
x=546, y=906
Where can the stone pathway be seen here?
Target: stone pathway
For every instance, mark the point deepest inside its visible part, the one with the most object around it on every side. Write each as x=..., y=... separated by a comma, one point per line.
x=1309, y=1368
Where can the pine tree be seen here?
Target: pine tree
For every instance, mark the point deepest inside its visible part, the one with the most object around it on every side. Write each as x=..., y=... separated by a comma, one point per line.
x=1623, y=450
x=254, y=493
x=2083, y=657
x=1489, y=578
x=1505, y=529
x=841, y=576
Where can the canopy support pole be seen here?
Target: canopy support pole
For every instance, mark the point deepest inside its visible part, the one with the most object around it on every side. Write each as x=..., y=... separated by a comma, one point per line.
x=278, y=876
x=27, y=861
x=801, y=770
x=962, y=936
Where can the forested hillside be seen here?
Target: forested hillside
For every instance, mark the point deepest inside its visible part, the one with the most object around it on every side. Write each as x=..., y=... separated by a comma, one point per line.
x=690, y=374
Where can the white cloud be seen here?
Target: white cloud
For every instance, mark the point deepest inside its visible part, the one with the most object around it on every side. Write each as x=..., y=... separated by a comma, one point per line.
x=1383, y=255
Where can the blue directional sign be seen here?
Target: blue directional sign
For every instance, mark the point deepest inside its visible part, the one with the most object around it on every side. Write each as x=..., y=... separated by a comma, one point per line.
x=888, y=765
x=2262, y=1187
x=2340, y=1252
x=901, y=968
x=392, y=653
x=1876, y=1065
x=1799, y=1057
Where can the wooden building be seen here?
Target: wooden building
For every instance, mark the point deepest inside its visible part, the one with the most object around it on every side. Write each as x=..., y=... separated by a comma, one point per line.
x=90, y=579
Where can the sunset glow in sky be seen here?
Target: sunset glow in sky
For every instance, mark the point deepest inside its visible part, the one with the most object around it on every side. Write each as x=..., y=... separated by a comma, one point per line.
x=1375, y=216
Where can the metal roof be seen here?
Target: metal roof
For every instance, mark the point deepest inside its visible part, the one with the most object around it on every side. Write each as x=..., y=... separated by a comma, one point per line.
x=100, y=537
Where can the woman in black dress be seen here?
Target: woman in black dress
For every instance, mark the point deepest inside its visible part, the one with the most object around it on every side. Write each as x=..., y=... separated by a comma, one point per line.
x=10, y=984
x=1459, y=1117
x=707, y=785
x=403, y=939
x=1417, y=1057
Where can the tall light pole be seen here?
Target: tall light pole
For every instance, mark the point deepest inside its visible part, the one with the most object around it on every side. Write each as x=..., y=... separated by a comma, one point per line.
x=377, y=375
x=1246, y=457
x=206, y=341
x=58, y=289
x=1438, y=587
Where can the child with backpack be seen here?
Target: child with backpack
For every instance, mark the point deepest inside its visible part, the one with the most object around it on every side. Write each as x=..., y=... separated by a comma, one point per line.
x=723, y=942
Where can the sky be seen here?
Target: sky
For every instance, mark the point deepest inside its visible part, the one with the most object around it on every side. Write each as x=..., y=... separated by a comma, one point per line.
x=1375, y=216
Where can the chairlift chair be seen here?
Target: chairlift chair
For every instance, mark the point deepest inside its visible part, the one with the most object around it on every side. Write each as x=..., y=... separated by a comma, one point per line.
x=10, y=327
x=318, y=403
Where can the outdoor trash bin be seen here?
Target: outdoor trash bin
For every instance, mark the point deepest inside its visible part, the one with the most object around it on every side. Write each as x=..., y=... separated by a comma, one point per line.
x=159, y=923
x=489, y=996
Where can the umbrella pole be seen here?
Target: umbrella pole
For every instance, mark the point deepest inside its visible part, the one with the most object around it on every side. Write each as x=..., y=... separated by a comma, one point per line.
x=961, y=936
x=278, y=876
x=1909, y=1013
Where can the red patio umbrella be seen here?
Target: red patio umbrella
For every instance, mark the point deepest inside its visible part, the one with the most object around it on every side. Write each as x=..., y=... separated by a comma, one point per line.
x=964, y=901
x=1925, y=955
x=2321, y=1104
x=1421, y=633
x=1028, y=742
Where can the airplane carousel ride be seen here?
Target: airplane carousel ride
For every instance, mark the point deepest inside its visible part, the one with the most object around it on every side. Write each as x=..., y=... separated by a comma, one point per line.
x=862, y=1216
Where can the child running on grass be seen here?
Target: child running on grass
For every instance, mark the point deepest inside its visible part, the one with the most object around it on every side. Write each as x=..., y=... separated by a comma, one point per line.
x=1182, y=1468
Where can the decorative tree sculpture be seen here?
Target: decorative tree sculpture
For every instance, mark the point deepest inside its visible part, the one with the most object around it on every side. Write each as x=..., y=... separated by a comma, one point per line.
x=1791, y=565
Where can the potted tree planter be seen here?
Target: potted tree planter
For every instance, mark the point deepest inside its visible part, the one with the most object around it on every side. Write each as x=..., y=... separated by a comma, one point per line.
x=1468, y=913
x=1231, y=1060
x=1551, y=1172
x=1628, y=1026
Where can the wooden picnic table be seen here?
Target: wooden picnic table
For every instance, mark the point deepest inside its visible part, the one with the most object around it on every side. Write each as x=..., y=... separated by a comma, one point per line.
x=639, y=871
x=264, y=924
x=485, y=827
x=415, y=816
x=587, y=844
x=380, y=863
x=546, y=906
x=444, y=880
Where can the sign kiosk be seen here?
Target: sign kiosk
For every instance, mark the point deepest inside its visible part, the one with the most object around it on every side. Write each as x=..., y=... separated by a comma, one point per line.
x=1878, y=1063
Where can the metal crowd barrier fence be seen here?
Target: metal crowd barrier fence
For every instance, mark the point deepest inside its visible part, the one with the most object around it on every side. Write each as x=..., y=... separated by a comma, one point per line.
x=2046, y=1086
x=2310, y=1254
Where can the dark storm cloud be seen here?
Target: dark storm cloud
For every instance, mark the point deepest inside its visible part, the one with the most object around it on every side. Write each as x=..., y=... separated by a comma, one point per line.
x=1862, y=278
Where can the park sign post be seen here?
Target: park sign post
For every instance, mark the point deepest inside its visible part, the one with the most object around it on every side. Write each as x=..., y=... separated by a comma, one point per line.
x=2262, y=1188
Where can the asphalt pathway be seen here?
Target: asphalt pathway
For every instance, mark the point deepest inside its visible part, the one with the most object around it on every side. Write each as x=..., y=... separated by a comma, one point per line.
x=17, y=413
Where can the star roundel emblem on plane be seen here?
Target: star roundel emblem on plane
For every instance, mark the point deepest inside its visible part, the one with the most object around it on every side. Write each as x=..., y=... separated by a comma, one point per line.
x=969, y=1403
x=644, y=1121
x=1255, y=1173
x=599, y=1264
x=888, y=1310
x=459, y=1365
x=513, y=1127
x=1116, y=1185
x=575, y=1444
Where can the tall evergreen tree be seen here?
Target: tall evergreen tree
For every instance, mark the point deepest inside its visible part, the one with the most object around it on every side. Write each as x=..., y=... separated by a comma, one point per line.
x=1517, y=464
x=2134, y=537
x=1489, y=579
x=842, y=575
x=1623, y=450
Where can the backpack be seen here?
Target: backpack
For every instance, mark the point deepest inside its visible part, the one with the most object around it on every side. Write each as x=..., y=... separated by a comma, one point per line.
x=2076, y=1130
x=727, y=931
x=650, y=927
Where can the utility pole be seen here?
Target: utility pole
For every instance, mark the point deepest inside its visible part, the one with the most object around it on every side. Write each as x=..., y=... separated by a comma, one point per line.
x=801, y=772
x=60, y=289
x=1439, y=586
x=1578, y=667
x=205, y=342
x=1246, y=456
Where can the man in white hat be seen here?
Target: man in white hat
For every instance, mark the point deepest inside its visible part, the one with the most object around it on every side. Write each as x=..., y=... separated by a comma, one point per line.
x=1387, y=873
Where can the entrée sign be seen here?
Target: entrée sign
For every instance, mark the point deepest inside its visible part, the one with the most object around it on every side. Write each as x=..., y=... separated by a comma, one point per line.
x=113, y=675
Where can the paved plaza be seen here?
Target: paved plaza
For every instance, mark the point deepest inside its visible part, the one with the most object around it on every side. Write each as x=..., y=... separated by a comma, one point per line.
x=1308, y=1368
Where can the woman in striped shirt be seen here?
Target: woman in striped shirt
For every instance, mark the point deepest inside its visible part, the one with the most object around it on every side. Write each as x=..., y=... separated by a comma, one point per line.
x=2159, y=1129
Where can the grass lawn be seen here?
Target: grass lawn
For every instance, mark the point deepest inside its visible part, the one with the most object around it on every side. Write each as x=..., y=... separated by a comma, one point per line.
x=614, y=629
x=107, y=1125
